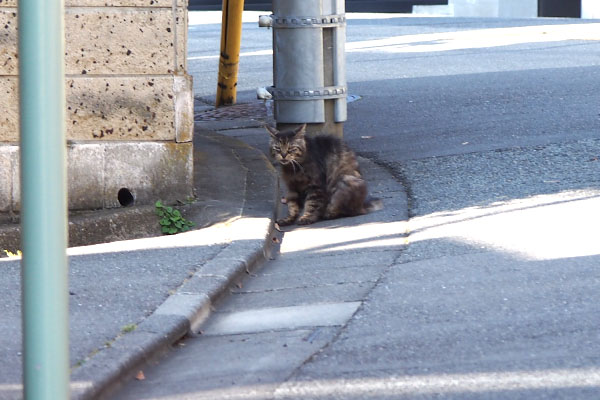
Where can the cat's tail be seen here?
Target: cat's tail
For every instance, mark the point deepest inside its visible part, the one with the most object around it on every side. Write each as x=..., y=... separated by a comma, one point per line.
x=373, y=204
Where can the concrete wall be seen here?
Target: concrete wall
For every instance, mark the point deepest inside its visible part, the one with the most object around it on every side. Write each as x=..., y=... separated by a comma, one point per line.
x=485, y=8
x=129, y=102
x=590, y=9
x=475, y=8
x=495, y=8
x=518, y=8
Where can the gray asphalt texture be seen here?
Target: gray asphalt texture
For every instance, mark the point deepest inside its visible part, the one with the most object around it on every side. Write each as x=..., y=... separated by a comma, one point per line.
x=483, y=282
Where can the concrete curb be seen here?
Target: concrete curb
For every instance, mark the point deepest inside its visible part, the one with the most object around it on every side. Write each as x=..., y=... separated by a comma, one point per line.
x=94, y=227
x=185, y=310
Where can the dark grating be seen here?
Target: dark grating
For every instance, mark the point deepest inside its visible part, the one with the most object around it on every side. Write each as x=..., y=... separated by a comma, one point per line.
x=258, y=110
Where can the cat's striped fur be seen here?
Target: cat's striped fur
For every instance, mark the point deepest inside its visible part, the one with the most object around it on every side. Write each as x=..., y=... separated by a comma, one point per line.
x=322, y=176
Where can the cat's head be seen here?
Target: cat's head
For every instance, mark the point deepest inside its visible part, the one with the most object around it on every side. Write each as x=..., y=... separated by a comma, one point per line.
x=289, y=146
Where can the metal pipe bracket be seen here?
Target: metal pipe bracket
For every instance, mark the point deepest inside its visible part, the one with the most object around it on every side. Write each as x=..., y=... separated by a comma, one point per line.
x=323, y=93
x=320, y=21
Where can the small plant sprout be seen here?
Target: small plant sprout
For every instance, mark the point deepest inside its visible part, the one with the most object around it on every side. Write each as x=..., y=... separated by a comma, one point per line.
x=171, y=220
x=128, y=328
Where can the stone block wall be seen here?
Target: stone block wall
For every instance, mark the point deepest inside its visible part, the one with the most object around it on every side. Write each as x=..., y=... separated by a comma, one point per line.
x=129, y=102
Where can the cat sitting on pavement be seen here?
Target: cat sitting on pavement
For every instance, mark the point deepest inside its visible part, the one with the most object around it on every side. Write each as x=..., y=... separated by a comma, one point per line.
x=322, y=176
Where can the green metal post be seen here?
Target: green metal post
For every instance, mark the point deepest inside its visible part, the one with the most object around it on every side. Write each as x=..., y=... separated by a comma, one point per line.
x=43, y=200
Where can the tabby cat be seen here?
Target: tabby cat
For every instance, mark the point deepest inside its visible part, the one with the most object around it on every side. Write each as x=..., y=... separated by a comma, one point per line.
x=322, y=177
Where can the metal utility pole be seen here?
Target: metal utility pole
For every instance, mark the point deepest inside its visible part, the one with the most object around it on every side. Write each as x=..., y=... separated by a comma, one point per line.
x=309, y=67
x=231, y=39
x=45, y=293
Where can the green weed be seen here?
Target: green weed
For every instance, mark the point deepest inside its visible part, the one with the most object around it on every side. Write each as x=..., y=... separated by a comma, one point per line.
x=171, y=220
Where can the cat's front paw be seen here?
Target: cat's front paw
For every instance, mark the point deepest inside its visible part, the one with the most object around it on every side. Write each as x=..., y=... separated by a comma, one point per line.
x=286, y=221
x=306, y=220
x=328, y=215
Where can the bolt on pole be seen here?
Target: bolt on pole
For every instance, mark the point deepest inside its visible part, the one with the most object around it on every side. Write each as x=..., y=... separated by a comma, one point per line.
x=231, y=38
x=44, y=267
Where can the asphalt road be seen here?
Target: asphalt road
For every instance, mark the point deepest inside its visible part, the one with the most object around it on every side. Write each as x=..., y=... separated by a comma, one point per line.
x=480, y=278
x=395, y=6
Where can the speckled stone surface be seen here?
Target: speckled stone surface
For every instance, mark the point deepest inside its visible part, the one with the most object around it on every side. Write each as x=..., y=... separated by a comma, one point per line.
x=129, y=105
x=110, y=40
x=120, y=41
x=111, y=3
x=8, y=41
x=9, y=118
x=120, y=108
x=181, y=34
x=112, y=108
x=121, y=64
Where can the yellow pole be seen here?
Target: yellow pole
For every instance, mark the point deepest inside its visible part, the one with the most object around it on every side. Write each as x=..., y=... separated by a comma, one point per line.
x=231, y=38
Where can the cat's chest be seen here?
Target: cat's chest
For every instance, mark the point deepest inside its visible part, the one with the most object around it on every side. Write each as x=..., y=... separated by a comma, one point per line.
x=297, y=181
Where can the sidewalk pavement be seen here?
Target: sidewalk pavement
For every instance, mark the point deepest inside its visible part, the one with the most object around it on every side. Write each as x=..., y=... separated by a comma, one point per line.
x=131, y=299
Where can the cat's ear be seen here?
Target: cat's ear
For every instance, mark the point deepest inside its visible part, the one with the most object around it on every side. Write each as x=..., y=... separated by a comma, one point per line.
x=272, y=131
x=300, y=131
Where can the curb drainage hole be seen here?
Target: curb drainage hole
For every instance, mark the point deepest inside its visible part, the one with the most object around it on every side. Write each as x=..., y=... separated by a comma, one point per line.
x=125, y=197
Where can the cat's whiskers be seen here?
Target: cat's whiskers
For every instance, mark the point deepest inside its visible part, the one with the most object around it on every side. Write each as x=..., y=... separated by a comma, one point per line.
x=296, y=163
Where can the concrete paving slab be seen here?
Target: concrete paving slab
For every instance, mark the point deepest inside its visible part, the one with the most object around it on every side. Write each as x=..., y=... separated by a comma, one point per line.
x=330, y=236
x=297, y=296
x=311, y=262
x=205, y=366
x=277, y=277
x=280, y=318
